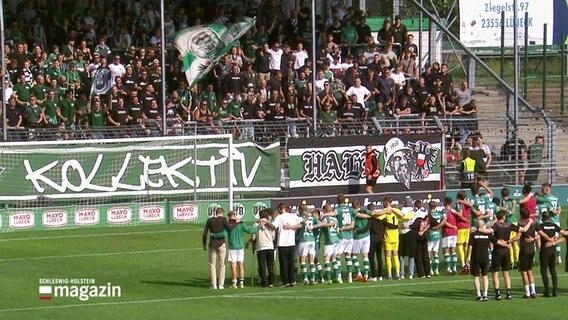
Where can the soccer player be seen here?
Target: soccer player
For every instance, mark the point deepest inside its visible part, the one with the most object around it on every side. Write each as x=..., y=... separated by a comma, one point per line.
x=361, y=242
x=345, y=222
x=548, y=231
x=427, y=221
x=329, y=225
x=450, y=235
x=501, y=255
x=477, y=257
x=544, y=198
x=463, y=212
x=510, y=206
x=391, y=238
x=435, y=234
x=236, y=248
x=307, y=247
x=526, y=254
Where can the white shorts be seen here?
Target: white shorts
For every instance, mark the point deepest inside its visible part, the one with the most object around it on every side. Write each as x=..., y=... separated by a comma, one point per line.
x=449, y=242
x=330, y=250
x=236, y=255
x=307, y=249
x=434, y=246
x=345, y=246
x=361, y=245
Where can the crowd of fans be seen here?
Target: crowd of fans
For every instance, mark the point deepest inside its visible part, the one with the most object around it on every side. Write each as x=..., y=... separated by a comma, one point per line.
x=52, y=54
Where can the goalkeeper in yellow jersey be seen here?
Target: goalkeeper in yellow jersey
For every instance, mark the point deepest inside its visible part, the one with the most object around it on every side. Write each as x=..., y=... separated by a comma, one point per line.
x=392, y=217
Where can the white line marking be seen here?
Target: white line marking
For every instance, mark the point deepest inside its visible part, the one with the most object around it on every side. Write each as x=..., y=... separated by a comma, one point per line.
x=99, y=254
x=332, y=298
x=99, y=235
x=263, y=292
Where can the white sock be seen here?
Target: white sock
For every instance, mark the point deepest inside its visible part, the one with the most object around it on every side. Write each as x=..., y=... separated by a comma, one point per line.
x=478, y=293
x=533, y=288
x=527, y=290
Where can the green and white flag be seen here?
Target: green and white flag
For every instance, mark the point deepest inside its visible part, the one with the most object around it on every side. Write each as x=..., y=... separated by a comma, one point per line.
x=203, y=46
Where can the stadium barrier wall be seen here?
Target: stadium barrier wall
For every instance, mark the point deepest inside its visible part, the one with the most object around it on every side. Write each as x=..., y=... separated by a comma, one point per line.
x=336, y=164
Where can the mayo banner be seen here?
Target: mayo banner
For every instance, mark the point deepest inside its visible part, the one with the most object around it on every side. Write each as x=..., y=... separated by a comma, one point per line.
x=87, y=171
x=336, y=165
x=124, y=214
x=481, y=21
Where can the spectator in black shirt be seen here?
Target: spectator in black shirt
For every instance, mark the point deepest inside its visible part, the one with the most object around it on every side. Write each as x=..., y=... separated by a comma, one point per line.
x=363, y=30
x=478, y=259
x=215, y=229
x=233, y=83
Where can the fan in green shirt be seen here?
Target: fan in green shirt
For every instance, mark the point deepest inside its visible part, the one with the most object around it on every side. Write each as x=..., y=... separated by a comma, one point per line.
x=67, y=110
x=50, y=109
x=349, y=33
x=22, y=89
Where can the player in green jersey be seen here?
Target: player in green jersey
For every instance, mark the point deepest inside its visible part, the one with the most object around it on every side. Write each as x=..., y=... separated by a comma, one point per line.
x=345, y=224
x=434, y=236
x=545, y=199
x=361, y=242
x=510, y=206
x=236, y=248
x=331, y=242
x=307, y=247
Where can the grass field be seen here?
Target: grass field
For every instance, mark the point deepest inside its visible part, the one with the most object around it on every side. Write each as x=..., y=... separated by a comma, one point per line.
x=163, y=273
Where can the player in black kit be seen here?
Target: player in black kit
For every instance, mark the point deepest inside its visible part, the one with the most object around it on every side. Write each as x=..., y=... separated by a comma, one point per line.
x=501, y=259
x=548, y=232
x=478, y=259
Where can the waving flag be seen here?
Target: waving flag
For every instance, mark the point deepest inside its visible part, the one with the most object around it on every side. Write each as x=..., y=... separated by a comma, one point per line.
x=203, y=46
x=102, y=81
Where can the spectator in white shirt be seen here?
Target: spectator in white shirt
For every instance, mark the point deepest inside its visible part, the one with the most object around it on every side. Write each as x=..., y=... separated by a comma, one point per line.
x=116, y=68
x=398, y=76
x=363, y=94
x=275, y=57
x=300, y=56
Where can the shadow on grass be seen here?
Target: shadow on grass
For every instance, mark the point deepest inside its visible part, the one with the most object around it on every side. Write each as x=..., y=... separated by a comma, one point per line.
x=194, y=283
x=458, y=293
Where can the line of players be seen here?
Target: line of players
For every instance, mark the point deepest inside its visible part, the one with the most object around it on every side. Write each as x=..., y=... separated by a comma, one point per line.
x=508, y=227
x=348, y=231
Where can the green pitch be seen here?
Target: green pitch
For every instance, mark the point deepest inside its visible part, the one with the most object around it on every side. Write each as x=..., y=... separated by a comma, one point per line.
x=163, y=274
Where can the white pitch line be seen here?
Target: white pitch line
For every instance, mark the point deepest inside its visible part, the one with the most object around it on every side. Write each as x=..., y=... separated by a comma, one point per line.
x=98, y=235
x=99, y=254
x=333, y=298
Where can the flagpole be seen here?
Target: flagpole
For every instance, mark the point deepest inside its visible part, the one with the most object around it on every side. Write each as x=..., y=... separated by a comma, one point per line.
x=163, y=63
x=314, y=67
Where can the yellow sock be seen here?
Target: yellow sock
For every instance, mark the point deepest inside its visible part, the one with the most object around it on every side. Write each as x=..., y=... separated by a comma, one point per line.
x=396, y=265
x=389, y=266
x=461, y=254
x=512, y=252
x=516, y=248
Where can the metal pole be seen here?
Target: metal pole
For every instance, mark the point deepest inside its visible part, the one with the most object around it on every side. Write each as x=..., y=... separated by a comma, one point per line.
x=516, y=85
x=562, y=74
x=502, y=69
x=420, y=40
x=314, y=66
x=544, y=54
x=163, y=49
x=526, y=57
x=4, y=126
